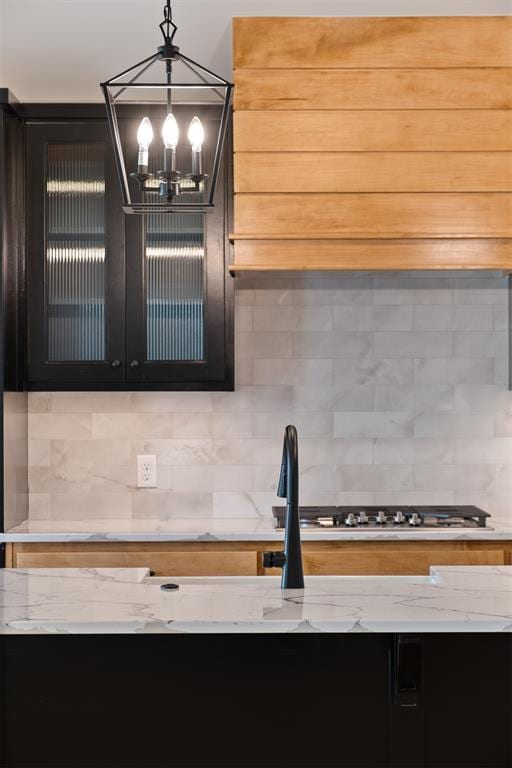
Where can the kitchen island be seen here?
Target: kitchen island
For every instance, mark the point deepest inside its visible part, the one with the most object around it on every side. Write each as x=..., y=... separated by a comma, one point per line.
x=234, y=672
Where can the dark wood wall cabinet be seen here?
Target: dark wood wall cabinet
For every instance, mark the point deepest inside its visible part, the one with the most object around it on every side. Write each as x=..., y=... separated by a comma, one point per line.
x=116, y=301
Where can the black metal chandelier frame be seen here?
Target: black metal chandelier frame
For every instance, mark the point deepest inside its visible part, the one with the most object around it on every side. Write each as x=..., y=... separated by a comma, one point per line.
x=168, y=183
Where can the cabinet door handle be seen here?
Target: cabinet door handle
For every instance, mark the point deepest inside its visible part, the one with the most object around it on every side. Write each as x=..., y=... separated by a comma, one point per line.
x=115, y=363
x=407, y=670
x=134, y=364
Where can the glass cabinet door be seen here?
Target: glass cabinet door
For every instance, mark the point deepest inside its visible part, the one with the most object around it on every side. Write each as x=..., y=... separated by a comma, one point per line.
x=174, y=265
x=74, y=251
x=176, y=302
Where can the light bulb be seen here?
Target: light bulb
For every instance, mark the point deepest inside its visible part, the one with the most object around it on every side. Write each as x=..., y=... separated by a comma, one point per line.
x=196, y=134
x=170, y=132
x=145, y=134
x=144, y=139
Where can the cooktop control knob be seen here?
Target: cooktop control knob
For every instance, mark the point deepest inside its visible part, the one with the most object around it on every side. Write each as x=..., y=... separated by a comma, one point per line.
x=414, y=519
x=350, y=520
x=399, y=517
x=362, y=518
x=381, y=518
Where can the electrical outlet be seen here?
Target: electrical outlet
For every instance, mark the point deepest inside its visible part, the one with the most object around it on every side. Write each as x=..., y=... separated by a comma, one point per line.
x=146, y=470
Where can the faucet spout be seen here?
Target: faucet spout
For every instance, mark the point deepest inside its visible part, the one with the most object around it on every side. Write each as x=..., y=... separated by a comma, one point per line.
x=293, y=575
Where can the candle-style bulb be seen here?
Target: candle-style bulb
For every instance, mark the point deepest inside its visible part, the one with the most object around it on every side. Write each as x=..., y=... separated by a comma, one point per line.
x=144, y=139
x=145, y=134
x=196, y=134
x=170, y=132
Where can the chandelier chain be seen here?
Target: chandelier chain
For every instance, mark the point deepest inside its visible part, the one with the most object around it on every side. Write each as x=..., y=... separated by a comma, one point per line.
x=167, y=24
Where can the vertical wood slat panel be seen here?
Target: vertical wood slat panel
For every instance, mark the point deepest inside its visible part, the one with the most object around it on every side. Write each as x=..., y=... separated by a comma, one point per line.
x=339, y=42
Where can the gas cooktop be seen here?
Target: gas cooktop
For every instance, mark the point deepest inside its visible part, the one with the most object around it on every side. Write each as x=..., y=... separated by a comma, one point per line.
x=384, y=518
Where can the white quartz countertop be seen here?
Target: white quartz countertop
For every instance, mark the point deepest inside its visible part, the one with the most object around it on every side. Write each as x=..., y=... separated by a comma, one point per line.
x=128, y=601
x=226, y=529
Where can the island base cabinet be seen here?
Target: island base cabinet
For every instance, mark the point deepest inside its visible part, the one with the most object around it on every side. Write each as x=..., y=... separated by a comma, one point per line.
x=306, y=700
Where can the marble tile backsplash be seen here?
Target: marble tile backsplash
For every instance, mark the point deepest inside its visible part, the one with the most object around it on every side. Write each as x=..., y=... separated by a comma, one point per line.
x=397, y=383
x=15, y=502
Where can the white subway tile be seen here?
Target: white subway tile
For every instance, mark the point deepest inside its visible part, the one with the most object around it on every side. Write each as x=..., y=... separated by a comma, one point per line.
x=501, y=371
x=453, y=318
x=392, y=477
x=243, y=505
x=453, y=424
x=396, y=371
x=39, y=453
x=414, y=344
x=152, y=503
x=332, y=398
x=231, y=425
x=411, y=290
x=289, y=372
x=368, y=424
x=59, y=426
x=352, y=450
x=171, y=402
x=188, y=452
x=483, y=450
x=132, y=426
x=501, y=317
x=415, y=451
x=454, y=371
x=243, y=318
x=191, y=425
x=91, y=505
x=483, y=397
x=437, y=397
x=453, y=477
x=350, y=317
x=296, y=318
x=414, y=497
x=481, y=290
x=251, y=346
x=91, y=402
x=39, y=402
x=480, y=343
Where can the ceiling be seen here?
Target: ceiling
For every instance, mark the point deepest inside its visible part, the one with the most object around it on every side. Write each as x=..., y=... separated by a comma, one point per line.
x=59, y=50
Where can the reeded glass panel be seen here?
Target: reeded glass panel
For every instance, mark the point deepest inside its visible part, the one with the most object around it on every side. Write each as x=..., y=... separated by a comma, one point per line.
x=75, y=251
x=174, y=261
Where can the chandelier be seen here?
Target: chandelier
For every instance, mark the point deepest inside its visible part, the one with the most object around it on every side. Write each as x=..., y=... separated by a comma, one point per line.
x=169, y=168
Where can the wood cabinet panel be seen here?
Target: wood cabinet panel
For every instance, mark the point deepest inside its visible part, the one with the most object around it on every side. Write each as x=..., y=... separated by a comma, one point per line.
x=373, y=172
x=372, y=130
x=394, y=563
x=304, y=42
x=376, y=215
x=319, y=89
x=161, y=563
x=280, y=254
x=246, y=558
x=393, y=559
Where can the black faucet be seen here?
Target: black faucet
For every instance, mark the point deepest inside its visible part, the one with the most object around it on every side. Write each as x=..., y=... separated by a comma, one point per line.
x=291, y=559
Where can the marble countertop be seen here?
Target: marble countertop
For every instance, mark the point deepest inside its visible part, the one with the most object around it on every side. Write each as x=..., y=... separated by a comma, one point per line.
x=124, y=601
x=225, y=529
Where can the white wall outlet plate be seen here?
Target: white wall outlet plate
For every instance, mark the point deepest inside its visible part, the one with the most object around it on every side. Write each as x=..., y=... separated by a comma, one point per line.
x=146, y=470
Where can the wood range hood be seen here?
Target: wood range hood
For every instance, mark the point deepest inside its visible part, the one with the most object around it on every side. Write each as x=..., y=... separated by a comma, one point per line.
x=372, y=143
